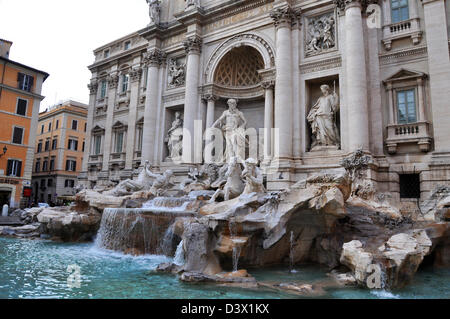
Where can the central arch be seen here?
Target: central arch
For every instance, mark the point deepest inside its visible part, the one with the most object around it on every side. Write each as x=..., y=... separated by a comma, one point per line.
x=254, y=41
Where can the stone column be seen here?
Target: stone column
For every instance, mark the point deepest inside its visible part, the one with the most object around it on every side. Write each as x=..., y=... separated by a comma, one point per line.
x=421, y=98
x=93, y=88
x=356, y=77
x=283, y=18
x=268, y=86
x=193, y=48
x=113, y=81
x=153, y=58
x=210, y=110
x=391, y=104
x=439, y=70
x=135, y=76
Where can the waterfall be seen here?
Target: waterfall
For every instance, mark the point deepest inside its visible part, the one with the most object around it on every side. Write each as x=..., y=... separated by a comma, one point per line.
x=237, y=243
x=179, y=255
x=291, y=253
x=138, y=231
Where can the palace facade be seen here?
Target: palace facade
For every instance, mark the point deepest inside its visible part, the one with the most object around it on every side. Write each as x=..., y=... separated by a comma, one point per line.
x=331, y=77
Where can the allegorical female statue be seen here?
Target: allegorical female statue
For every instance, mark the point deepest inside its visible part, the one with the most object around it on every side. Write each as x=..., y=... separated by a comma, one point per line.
x=175, y=138
x=154, y=7
x=322, y=118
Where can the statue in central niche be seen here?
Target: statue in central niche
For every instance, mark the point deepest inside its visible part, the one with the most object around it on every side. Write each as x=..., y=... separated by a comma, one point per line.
x=322, y=118
x=232, y=123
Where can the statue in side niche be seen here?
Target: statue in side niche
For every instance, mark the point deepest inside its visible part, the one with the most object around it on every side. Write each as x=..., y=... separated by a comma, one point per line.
x=175, y=138
x=322, y=118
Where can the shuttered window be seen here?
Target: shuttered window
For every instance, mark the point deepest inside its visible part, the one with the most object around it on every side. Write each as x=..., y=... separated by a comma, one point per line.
x=25, y=82
x=17, y=135
x=22, y=107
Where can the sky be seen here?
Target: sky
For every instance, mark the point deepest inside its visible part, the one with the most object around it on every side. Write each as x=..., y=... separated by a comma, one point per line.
x=59, y=36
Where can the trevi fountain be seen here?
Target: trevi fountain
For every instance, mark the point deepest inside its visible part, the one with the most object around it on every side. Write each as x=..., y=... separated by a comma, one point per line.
x=237, y=224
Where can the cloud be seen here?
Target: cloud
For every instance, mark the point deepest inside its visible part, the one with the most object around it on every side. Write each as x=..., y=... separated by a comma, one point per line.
x=59, y=36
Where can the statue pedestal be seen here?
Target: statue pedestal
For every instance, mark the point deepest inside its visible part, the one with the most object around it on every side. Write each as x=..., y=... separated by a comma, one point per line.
x=321, y=148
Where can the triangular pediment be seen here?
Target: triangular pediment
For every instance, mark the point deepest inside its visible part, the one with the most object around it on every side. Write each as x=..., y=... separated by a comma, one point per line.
x=98, y=128
x=405, y=74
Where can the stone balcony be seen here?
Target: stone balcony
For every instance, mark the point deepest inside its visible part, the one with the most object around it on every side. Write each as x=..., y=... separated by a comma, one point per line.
x=412, y=133
x=95, y=162
x=404, y=29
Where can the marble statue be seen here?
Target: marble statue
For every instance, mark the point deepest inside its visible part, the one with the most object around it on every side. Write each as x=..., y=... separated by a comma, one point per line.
x=161, y=182
x=175, y=138
x=129, y=186
x=154, y=10
x=253, y=177
x=190, y=3
x=177, y=73
x=320, y=34
x=232, y=123
x=233, y=186
x=322, y=118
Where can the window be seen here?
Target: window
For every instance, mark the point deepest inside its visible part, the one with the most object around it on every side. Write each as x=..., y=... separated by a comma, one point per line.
x=45, y=165
x=127, y=45
x=49, y=126
x=22, y=107
x=69, y=183
x=14, y=168
x=17, y=135
x=71, y=166
x=74, y=125
x=103, y=89
x=73, y=145
x=409, y=186
x=399, y=10
x=139, y=138
x=82, y=148
x=125, y=80
x=85, y=127
x=54, y=144
x=406, y=105
x=52, y=164
x=43, y=183
x=42, y=129
x=37, y=167
x=97, y=144
x=57, y=124
x=119, y=142
x=47, y=145
x=25, y=82
x=39, y=147
x=106, y=54
x=50, y=182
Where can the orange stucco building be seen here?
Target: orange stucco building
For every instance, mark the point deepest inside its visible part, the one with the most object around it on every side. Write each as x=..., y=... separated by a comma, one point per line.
x=20, y=99
x=60, y=143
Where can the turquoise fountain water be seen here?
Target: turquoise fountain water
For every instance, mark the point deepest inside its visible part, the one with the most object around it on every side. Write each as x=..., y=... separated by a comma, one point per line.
x=38, y=269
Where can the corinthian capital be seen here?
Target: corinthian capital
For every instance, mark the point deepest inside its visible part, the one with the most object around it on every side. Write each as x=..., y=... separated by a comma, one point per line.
x=113, y=80
x=193, y=45
x=284, y=17
x=135, y=74
x=344, y=4
x=154, y=57
x=93, y=87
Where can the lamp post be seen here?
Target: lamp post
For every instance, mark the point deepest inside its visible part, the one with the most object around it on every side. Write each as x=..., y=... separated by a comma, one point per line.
x=4, y=151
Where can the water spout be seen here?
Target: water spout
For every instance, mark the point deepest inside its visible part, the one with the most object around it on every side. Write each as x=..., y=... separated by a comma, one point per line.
x=179, y=255
x=237, y=243
x=291, y=254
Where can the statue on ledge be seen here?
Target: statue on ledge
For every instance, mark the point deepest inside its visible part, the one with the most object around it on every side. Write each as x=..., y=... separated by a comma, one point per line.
x=231, y=181
x=195, y=3
x=322, y=118
x=232, y=123
x=154, y=10
x=129, y=186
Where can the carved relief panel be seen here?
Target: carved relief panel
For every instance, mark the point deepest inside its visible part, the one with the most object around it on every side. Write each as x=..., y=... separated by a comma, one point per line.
x=320, y=34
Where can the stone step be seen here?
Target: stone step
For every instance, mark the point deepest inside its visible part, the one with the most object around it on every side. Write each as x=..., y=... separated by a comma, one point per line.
x=10, y=221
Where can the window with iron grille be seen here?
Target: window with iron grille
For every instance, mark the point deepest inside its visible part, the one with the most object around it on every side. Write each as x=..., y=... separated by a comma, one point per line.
x=409, y=186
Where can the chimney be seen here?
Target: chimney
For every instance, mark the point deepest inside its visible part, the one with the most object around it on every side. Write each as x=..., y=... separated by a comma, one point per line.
x=5, y=47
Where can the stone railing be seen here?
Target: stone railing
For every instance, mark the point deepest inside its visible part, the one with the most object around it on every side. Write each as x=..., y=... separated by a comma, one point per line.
x=412, y=133
x=403, y=29
x=117, y=156
x=96, y=158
